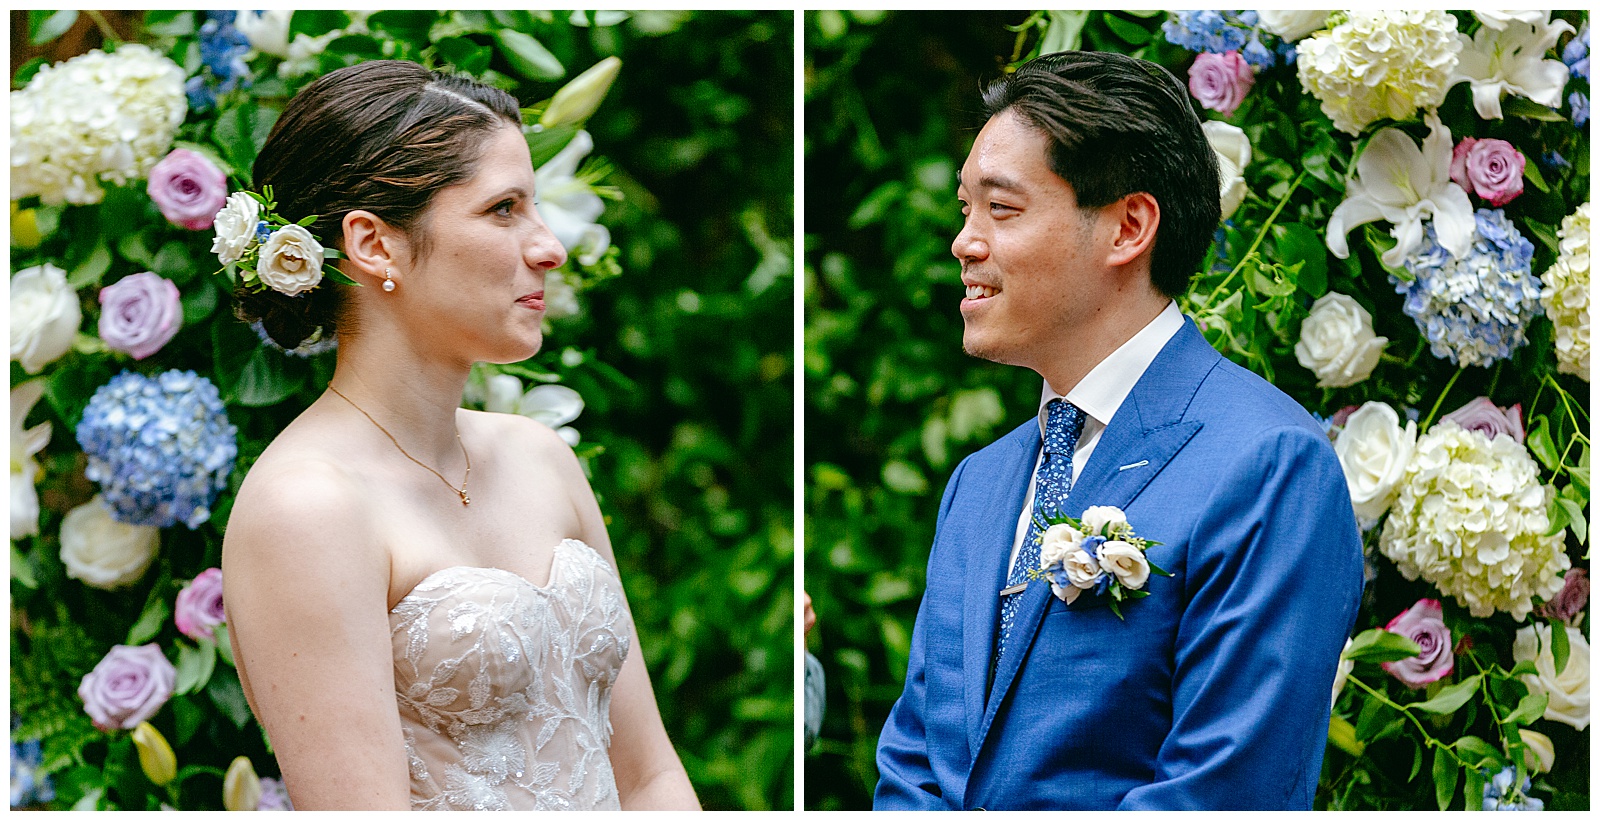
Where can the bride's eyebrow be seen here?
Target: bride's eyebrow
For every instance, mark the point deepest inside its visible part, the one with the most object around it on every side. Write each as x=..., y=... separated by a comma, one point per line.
x=515, y=191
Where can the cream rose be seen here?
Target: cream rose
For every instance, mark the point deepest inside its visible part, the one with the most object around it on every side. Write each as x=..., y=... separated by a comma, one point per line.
x=1293, y=24
x=236, y=227
x=1233, y=155
x=1568, y=691
x=1057, y=543
x=1100, y=516
x=1337, y=342
x=1126, y=562
x=44, y=316
x=291, y=261
x=103, y=552
x=1373, y=450
x=1083, y=571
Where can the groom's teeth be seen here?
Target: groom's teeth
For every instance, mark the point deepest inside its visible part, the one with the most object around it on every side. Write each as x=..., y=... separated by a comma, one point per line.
x=980, y=292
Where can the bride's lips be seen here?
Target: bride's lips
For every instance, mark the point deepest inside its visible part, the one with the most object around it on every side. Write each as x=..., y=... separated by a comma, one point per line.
x=533, y=300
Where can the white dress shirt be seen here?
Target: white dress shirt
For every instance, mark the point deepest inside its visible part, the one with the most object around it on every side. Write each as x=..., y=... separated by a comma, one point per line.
x=1099, y=394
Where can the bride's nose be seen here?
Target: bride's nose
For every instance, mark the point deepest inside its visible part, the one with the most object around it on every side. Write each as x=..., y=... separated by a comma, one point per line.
x=541, y=248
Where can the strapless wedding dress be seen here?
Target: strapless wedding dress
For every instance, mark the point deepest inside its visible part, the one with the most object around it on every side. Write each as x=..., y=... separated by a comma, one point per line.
x=505, y=686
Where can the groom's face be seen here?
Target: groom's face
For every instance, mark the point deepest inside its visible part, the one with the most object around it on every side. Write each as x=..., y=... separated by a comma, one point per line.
x=1026, y=248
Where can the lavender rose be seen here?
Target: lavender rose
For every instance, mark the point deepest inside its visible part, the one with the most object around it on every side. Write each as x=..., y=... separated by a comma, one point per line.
x=1220, y=81
x=1492, y=169
x=1488, y=418
x=139, y=314
x=128, y=686
x=188, y=189
x=199, y=607
x=1569, y=604
x=1423, y=624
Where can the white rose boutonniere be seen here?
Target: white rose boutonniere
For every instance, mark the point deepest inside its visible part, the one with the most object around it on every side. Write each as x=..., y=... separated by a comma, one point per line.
x=1098, y=552
x=1337, y=342
x=103, y=552
x=291, y=261
x=1373, y=450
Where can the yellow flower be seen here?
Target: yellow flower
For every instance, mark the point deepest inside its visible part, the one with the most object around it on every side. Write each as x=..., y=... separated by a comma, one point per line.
x=155, y=754
x=24, y=227
x=241, y=789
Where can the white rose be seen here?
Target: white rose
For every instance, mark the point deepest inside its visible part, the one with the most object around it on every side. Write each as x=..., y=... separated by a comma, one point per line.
x=1343, y=672
x=267, y=31
x=1233, y=155
x=1098, y=517
x=1337, y=342
x=291, y=261
x=44, y=316
x=1569, y=691
x=1083, y=571
x=1543, y=749
x=1126, y=562
x=1293, y=24
x=103, y=552
x=1373, y=450
x=1058, y=542
x=236, y=227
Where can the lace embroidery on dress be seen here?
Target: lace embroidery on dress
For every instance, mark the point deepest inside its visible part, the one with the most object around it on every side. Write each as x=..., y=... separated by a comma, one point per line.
x=504, y=687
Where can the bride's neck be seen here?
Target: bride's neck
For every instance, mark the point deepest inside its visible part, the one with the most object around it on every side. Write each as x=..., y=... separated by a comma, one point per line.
x=411, y=394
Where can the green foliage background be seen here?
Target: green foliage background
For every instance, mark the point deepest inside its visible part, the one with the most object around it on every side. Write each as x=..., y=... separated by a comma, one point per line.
x=684, y=362
x=892, y=404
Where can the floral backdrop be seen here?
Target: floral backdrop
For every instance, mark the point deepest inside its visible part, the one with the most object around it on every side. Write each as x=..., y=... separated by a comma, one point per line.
x=1405, y=251
x=138, y=402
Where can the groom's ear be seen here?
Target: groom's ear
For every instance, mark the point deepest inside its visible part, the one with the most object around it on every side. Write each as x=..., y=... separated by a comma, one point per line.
x=1135, y=219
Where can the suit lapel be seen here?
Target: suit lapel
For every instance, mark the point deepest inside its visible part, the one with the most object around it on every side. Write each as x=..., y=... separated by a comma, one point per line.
x=989, y=530
x=1149, y=427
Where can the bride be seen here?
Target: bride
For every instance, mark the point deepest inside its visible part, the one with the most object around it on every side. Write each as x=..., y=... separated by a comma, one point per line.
x=422, y=600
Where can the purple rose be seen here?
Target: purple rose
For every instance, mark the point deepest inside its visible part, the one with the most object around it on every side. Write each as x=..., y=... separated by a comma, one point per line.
x=1220, y=81
x=1492, y=169
x=128, y=686
x=1423, y=624
x=1569, y=604
x=139, y=313
x=199, y=606
x=188, y=189
x=1488, y=418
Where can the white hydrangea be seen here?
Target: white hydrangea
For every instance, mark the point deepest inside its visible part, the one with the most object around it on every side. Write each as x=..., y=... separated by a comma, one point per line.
x=1565, y=296
x=1471, y=518
x=1379, y=64
x=97, y=117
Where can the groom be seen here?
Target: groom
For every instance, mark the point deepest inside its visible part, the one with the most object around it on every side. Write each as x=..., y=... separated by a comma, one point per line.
x=1089, y=196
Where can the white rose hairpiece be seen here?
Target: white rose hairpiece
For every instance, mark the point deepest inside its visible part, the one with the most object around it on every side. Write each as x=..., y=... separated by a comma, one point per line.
x=270, y=251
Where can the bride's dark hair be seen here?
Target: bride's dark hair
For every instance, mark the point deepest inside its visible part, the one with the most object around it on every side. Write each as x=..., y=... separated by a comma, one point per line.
x=382, y=136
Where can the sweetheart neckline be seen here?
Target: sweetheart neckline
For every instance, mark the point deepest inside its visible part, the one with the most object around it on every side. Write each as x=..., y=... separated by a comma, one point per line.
x=545, y=588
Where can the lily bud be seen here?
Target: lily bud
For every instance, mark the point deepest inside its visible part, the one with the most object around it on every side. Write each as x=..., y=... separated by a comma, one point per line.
x=1543, y=749
x=24, y=227
x=155, y=754
x=578, y=99
x=241, y=789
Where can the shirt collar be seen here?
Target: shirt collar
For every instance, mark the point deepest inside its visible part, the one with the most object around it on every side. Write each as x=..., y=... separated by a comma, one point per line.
x=1100, y=393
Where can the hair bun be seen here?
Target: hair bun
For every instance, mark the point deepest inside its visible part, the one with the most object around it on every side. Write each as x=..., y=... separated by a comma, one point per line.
x=289, y=320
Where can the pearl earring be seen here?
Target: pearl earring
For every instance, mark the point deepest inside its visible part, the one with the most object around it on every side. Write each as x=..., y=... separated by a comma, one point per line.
x=388, y=282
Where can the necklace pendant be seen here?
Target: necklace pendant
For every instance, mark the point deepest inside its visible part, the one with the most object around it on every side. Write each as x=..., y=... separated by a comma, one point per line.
x=465, y=499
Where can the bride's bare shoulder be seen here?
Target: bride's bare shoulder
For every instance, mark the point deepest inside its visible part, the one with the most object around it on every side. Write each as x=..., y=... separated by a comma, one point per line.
x=528, y=438
x=297, y=497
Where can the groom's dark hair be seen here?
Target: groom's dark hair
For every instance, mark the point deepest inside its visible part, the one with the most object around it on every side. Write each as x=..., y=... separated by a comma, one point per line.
x=1117, y=125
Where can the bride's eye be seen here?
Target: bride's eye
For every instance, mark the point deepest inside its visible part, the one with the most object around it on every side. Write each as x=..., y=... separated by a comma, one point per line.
x=503, y=208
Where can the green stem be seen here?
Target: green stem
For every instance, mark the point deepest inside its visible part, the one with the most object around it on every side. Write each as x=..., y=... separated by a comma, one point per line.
x=1260, y=235
x=1440, y=401
x=1432, y=742
x=107, y=33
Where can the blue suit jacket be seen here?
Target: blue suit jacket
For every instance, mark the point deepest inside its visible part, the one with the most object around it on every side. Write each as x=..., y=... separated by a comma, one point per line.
x=1214, y=693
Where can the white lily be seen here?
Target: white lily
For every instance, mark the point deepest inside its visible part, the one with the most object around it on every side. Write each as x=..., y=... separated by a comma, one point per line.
x=24, y=470
x=569, y=206
x=267, y=31
x=1506, y=54
x=1397, y=182
x=554, y=406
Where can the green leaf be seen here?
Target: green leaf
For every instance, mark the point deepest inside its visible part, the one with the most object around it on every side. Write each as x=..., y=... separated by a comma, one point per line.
x=903, y=477
x=45, y=26
x=199, y=302
x=1343, y=736
x=241, y=131
x=22, y=569
x=195, y=665
x=1538, y=441
x=1559, y=517
x=169, y=23
x=226, y=693
x=1523, y=668
x=263, y=382
x=877, y=205
x=155, y=614
x=224, y=645
x=528, y=56
x=1377, y=645
x=1127, y=30
x=1560, y=647
x=25, y=73
x=464, y=54
x=402, y=24
x=548, y=142
x=1475, y=750
x=1530, y=170
x=1530, y=709
x=1450, y=698
x=1513, y=106
x=92, y=268
x=1574, y=512
x=315, y=23
x=1445, y=774
x=188, y=717
x=1299, y=243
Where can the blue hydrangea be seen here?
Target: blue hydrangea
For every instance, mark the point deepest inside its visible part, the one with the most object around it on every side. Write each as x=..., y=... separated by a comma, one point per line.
x=1475, y=310
x=306, y=350
x=1576, y=54
x=222, y=51
x=1498, y=795
x=27, y=787
x=1219, y=32
x=161, y=447
x=1554, y=161
x=1580, y=108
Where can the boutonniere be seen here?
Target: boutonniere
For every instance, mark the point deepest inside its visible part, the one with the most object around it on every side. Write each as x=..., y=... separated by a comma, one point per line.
x=1098, y=552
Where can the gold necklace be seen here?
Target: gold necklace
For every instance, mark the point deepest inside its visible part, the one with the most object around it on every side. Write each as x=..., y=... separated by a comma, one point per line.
x=461, y=491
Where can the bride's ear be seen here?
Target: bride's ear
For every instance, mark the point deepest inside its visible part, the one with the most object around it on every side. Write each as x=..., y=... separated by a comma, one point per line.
x=371, y=247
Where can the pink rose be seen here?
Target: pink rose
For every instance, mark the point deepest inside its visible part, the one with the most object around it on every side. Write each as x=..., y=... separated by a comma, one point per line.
x=199, y=606
x=128, y=686
x=1492, y=169
x=1489, y=419
x=1423, y=624
x=139, y=314
x=1220, y=81
x=1569, y=604
x=1342, y=415
x=188, y=189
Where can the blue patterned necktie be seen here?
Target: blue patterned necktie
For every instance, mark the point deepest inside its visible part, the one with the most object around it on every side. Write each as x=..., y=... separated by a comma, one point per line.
x=1063, y=425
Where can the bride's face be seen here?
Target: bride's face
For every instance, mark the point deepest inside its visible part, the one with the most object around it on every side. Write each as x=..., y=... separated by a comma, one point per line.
x=481, y=278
